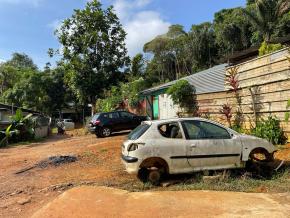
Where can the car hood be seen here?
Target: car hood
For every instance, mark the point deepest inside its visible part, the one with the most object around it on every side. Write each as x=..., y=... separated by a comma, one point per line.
x=244, y=136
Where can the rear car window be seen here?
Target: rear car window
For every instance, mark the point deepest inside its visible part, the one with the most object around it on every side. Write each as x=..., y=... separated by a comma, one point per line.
x=138, y=131
x=95, y=117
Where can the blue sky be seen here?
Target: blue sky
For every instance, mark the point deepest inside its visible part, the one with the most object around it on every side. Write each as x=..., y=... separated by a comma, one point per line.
x=28, y=25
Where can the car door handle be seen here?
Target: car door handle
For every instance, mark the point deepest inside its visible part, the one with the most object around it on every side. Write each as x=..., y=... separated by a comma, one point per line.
x=193, y=145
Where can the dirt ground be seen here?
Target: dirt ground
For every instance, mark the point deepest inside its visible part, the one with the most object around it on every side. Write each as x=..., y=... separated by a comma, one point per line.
x=96, y=201
x=21, y=195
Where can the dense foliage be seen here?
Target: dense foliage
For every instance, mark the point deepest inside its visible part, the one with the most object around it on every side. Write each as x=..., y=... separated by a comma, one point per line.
x=22, y=84
x=269, y=129
x=184, y=95
x=267, y=48
x=178, y=52
x=126, y=95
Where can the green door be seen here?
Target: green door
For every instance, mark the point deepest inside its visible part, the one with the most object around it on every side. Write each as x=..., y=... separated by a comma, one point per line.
x=155, y=107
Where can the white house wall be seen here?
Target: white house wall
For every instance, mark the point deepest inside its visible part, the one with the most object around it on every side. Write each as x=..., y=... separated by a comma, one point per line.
x=166, y=107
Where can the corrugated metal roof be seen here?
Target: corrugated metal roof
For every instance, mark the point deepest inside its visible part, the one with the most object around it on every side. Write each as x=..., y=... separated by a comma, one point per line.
x=9, y=107
x=207, y=81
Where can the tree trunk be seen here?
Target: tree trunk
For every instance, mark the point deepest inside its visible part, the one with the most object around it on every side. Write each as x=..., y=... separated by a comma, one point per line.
x=93, y=109
x=93, y=103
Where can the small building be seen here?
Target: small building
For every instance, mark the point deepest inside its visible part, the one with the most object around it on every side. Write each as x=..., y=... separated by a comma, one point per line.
x=43, y=122
x=159, y=105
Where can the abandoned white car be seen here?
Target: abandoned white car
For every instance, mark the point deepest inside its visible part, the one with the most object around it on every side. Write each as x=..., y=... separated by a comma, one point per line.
x=186, y=145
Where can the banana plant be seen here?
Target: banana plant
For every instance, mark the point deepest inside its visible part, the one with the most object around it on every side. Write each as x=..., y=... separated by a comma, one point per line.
x=22, y=128
x=8, y=134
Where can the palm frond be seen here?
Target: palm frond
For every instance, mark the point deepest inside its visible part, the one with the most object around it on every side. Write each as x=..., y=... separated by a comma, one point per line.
x=253, y=19
x=283, y=6
x=27, y=117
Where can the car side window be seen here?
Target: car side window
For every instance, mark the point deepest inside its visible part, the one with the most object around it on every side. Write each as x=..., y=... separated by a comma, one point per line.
x=114, y=115
x=212, y=131
x=170, y=130
x=192, y=130
x=126, y=115
x=111, y=115
x=195, y=129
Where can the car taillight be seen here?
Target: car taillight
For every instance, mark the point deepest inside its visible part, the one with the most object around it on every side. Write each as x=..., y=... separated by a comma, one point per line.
x=96, y=122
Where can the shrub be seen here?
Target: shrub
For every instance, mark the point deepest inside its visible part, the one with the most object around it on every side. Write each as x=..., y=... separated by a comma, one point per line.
x=117, y=95
x=131, y=90
x=111, y=102
x=269, y=129
x=267, y=48
x=184, y=95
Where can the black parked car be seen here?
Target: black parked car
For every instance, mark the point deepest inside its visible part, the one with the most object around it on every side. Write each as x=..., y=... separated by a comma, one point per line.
x=103, y=124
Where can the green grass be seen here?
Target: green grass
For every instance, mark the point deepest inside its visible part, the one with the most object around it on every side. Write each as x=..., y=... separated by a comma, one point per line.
x=36, y=140
x=103, y=150
x=278, y=183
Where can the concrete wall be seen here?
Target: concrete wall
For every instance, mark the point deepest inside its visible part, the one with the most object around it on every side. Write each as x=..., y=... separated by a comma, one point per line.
x=41, y=132
x=269, y=79
x=166, y=107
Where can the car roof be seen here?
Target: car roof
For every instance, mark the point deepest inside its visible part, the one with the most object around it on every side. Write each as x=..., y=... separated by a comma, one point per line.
x=111, y=112
x=180, y=119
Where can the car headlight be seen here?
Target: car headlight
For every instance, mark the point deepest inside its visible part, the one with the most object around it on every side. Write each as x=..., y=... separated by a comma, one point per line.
x=135, y=146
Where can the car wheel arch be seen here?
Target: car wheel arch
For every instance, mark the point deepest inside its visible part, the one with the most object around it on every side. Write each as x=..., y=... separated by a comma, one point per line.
x=155, y=162
x=258, y=150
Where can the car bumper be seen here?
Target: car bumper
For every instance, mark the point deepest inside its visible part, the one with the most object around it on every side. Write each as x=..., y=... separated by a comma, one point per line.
x=131, y=164
x=93, y=129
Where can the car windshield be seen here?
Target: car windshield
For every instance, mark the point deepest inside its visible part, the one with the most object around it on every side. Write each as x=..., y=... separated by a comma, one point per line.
x=138, y=132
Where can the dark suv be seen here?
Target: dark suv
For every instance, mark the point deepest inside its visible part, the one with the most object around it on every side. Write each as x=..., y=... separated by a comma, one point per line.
x=103, y=124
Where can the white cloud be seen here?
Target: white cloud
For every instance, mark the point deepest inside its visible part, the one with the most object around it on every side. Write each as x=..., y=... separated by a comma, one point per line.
x=30, y=2
x=141, y=25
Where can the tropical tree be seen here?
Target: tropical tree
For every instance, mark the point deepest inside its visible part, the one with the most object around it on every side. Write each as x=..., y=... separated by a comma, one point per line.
x=94, y=51
x=21, y=61
x=232, y=31
x=9, y=75
x=161, y=62
x=265, y=15
x=283, y=26
x=28, y=92
x=201, y=46
x=137, y=66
